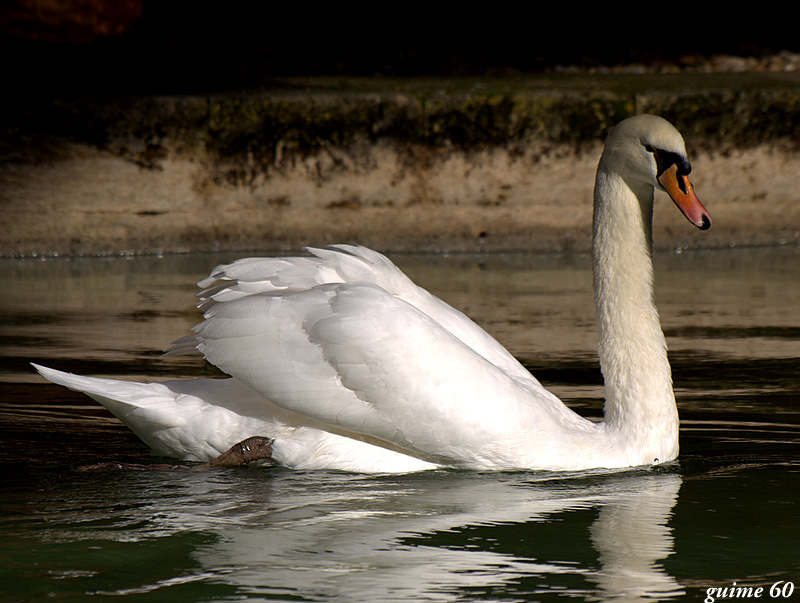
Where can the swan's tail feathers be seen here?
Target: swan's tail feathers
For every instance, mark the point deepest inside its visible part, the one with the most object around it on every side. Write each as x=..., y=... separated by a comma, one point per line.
x=168, y=417
x=117, y=396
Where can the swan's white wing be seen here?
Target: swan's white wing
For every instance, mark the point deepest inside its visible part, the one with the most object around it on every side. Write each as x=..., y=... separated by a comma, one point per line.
x=355, y=357
x=347, y=264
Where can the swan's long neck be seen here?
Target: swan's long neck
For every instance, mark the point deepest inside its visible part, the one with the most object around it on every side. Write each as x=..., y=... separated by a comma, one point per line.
x=640, y=410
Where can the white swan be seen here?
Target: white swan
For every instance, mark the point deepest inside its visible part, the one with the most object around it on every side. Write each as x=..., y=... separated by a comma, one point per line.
x=348, y=365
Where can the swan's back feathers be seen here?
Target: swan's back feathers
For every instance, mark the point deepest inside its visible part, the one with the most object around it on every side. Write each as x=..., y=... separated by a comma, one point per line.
x=341, y=264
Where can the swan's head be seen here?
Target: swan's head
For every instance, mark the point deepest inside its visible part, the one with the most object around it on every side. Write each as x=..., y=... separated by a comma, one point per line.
x=648, y=149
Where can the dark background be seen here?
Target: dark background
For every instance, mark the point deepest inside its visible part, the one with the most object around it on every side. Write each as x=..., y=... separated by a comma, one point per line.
x=141, y=46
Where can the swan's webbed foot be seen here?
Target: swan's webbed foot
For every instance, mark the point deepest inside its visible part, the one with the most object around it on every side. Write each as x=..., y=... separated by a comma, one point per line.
x=252, y=449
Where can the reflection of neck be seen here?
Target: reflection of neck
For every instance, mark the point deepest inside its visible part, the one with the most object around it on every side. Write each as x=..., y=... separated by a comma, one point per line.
x=631, y=535
x=640, y=406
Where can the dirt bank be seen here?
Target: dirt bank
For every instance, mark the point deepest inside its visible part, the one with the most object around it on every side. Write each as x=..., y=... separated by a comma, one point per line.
x=503, y=165
x=414, y=199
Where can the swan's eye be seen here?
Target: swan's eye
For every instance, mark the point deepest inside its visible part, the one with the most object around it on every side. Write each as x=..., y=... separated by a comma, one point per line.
x=666, y=159
x=650, y=149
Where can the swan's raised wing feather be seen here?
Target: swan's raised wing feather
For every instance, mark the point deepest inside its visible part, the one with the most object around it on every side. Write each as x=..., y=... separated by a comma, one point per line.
x=346, y=264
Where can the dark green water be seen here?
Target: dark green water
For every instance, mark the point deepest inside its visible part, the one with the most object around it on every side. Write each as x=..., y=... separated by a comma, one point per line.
x=725, y=513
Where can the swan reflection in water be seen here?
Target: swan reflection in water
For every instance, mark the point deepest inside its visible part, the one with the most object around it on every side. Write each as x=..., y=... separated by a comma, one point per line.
x=414, y=537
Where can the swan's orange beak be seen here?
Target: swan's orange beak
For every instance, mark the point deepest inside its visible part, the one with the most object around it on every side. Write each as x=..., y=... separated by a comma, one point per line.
x=680, y=190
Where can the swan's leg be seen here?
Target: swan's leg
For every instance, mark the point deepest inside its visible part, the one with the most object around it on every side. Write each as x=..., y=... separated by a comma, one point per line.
x=246, y=451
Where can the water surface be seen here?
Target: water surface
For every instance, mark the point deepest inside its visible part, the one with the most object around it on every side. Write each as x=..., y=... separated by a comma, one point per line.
x=726, y=512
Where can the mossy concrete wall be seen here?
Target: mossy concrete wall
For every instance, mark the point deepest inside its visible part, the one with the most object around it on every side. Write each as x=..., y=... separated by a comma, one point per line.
x=505, y=164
